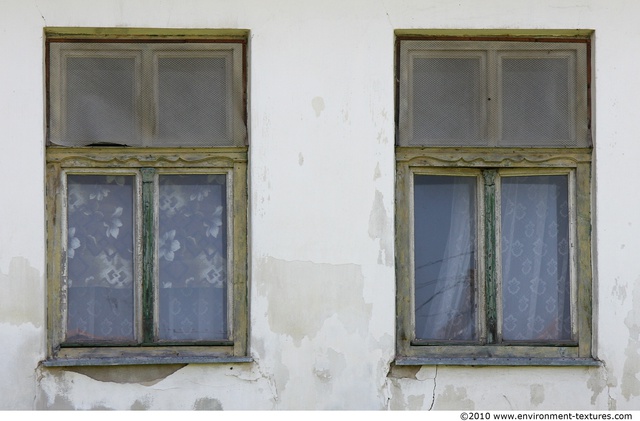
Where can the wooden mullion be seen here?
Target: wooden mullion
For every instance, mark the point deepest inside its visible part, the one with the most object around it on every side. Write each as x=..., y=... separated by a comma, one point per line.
x=490, y=255
x=148, y=253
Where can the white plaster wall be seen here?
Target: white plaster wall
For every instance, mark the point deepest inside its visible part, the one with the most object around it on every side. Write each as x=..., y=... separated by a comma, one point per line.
x=321, y=212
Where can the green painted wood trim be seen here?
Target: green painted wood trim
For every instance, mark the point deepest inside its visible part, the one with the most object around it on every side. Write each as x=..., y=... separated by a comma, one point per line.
x=239, y=287
x=578, y=352
x=584, y=255
x=403, y=259
x=123, y=157
x=489, y=177
x=144, y=33
x=500, y=33
x=148, y=253
x=493, y=157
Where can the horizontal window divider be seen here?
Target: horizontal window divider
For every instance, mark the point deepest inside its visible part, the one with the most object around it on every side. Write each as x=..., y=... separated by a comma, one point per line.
x=112, y=157
x=484, y=361
x=423, y=342
x=492, y=157
x=187, y=344
x=539, y=343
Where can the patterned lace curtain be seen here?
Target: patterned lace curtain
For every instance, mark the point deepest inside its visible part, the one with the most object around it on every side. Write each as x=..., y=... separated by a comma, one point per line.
x=535, y=259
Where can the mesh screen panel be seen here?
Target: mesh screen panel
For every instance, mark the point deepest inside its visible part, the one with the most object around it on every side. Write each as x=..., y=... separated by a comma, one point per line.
x=150, y=95
x=535, y=102
x=100, y=100
x=192, y=100
x=447, y=101
x=493, y=93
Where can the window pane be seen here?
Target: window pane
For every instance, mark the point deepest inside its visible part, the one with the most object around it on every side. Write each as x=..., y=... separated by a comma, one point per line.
x=445, y=263
x=100, y=258
x=193, y=103
x=100, y=100
x=192, y=253
x=535, y=258
x=447, y=106
x=535, y=102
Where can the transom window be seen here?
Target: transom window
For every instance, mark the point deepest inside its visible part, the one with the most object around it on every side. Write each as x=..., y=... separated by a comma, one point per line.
x=492, y=202
x=146, y=200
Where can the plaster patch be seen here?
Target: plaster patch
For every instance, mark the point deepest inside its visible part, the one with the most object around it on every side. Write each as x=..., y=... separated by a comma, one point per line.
x=415, y=402
x=536, y=394
x=141, y=405
x=453, y=398
x=318, y=105
x=630, y=384
x=207, y=404
x=597, y=382
x=23, y=349
x=379, y=228
x=619, y=291
x=147, y=375
x=376, y=172
x=303, y=295
x=300, y=159
x=22, y=294
x=326, y=363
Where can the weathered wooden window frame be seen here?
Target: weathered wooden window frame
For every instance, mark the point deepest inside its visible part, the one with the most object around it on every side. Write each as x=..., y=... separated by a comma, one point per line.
x=146, y=164
x=494, y=162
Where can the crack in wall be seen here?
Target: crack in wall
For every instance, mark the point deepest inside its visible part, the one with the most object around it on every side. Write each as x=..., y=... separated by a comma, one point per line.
x=433, y=394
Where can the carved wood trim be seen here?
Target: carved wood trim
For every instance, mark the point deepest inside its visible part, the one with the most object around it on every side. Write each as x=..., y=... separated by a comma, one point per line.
x=492, y=157
x=146, y=157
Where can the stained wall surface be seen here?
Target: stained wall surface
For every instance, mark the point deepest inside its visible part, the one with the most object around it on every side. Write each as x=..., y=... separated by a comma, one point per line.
x=322, y=276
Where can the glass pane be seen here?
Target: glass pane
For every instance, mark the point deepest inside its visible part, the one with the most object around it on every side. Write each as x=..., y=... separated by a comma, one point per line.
x=100, y=101
x=447, y=106
x=535, y=102
x=536, y=297
x=192, y=254
x=100, y=258
x=192, y=101
x=445, y=263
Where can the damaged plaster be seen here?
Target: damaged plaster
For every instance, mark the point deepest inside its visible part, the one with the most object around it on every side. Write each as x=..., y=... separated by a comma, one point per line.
x=630, y=384
x=147, y=375
x=303, y=295
x=380, y=225
x=21, y=280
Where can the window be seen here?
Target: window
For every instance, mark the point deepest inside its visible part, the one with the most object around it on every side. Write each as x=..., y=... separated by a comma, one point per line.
x=493, y=201
x=146, y=198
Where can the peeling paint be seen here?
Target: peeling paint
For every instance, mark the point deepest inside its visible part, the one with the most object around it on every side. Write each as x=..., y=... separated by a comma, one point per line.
x=403, y=372
x=207, y=404
x=596, y=383
x=630, y=384
x=619, y=291
x=318, y=105
x=415, y=402
x=141, y=405
x=376, y=172
x=22, y=280
x=453, y=398
x=536, y=394
x=380, y=228
x=302, y=295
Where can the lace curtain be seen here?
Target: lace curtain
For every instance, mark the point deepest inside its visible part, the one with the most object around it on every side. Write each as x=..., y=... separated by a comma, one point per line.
x=191, y=258
x=535, y=258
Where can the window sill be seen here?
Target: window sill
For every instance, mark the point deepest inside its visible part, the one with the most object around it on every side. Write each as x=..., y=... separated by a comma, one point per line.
x=518, y=361
x=114, y=361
